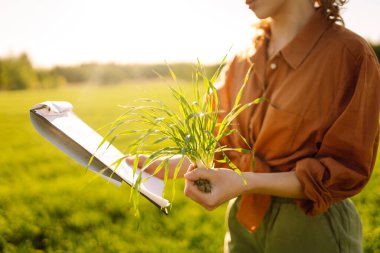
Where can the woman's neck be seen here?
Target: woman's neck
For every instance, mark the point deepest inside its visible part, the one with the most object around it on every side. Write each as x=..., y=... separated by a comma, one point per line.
x=287, y=22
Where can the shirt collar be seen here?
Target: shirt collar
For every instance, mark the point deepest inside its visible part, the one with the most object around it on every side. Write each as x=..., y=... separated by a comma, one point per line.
x=259, y=60
x=299, y=47
x=296, y=51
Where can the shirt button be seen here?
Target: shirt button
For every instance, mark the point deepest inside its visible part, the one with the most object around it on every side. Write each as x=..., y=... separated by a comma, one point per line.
x=273, y=66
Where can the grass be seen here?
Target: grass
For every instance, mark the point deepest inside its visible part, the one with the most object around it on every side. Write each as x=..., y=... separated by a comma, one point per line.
x=48, y=203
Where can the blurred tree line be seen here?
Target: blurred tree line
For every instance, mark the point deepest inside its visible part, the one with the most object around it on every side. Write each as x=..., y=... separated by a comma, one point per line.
x=18, y=73
x=115, y=73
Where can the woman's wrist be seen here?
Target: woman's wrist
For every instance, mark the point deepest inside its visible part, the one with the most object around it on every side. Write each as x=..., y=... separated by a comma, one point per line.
x=250, y=183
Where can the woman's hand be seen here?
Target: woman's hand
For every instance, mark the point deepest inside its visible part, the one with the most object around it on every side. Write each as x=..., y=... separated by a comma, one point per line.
x=161, y=173
x=226, y=184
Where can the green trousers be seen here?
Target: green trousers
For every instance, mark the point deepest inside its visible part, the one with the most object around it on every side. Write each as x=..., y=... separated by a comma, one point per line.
x=286, y=229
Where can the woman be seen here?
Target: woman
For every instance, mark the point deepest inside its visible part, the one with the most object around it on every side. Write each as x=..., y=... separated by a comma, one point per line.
x=315, y=140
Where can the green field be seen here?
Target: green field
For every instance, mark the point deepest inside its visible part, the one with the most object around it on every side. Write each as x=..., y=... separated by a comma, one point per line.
x=48, y=203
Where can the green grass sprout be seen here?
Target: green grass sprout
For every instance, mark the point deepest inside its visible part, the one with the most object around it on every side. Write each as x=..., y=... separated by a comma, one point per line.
x=193, y=130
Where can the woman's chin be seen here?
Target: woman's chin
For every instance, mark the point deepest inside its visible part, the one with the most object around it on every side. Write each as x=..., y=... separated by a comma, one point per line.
x=260, y=15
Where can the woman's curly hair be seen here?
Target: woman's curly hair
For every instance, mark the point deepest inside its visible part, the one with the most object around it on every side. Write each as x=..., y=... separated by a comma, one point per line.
x=331, y=9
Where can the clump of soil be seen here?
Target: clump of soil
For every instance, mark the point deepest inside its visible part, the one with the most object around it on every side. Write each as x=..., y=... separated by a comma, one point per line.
x=203, y=185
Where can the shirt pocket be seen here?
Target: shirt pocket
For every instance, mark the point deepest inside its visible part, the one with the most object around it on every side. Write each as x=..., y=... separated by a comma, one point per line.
x=278, y=132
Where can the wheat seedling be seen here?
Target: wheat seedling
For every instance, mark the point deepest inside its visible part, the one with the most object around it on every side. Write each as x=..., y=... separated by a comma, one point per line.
x=194, y=131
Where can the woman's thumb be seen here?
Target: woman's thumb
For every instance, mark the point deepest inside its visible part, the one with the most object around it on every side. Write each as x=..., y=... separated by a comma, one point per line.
x=196, y=174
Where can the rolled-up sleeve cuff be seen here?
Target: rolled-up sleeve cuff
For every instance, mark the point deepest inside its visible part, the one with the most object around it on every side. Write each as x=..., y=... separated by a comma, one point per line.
x=310, y=172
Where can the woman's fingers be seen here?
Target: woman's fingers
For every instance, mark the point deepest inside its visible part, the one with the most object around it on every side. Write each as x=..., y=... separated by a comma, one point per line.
x=207, y=200
x=191, y=167
x=131, y=159
x=226, y=184
x=194, y=174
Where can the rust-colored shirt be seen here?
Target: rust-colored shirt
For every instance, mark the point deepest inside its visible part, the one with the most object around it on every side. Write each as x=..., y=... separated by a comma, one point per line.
x=322, y=118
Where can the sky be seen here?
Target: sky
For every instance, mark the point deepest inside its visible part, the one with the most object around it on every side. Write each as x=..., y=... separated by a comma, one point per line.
x=67, y=32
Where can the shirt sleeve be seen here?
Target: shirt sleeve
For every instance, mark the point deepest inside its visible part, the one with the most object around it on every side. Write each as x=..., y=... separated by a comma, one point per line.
x=348, y=150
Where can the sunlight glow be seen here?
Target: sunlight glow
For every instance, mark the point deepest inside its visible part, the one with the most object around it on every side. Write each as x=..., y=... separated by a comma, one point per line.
x=126, y=31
